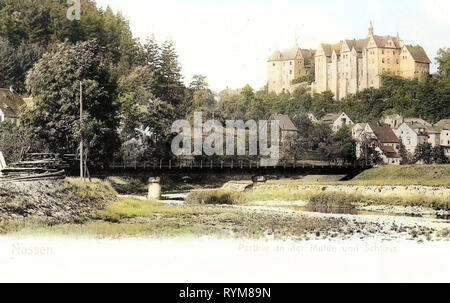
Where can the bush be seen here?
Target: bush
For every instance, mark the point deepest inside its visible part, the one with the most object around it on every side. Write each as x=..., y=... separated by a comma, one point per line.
x=215, y=197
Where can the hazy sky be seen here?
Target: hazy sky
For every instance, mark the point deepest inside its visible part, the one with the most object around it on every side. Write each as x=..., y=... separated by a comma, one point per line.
x=229, y=41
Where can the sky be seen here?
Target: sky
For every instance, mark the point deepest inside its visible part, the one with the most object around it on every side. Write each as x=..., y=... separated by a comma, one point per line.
x=229, y=41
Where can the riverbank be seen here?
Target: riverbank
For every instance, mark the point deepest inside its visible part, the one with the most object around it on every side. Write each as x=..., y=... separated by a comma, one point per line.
x=53, y=201
x=137, y=218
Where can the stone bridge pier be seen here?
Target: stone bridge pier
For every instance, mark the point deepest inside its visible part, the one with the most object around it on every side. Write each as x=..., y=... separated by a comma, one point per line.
x=154, y=188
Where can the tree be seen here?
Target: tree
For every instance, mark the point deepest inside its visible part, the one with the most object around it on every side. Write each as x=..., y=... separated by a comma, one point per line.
x=344, y=146
x=171, y=86
x=404, y=154
x=369, y=150
x=443, y=60
x=15, y=61
x=438, y=155
x=199, y=83
x=13, y=139
x=424, y=153
x=55, y=83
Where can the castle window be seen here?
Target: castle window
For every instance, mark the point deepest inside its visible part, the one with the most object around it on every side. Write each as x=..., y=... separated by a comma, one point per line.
x=274, y=64
x=382, y=60
x=398, y=61
x=389, y=61
x=382, y=52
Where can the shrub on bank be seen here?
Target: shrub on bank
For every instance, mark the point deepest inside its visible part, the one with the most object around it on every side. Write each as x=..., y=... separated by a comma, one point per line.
x=128, y=186
x=215, y=197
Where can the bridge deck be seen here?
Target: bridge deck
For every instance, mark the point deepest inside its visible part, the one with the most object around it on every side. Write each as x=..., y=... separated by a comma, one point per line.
x=173, y=165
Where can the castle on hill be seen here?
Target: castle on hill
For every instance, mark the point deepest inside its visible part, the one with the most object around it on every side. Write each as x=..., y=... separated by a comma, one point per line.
x=349, y=66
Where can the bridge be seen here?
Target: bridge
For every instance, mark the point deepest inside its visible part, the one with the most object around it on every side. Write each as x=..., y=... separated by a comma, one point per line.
x=284, y=167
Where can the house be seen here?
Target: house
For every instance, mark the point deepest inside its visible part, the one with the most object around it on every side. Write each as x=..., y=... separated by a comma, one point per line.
x=443, y=127
x=10, y=105
x=357, y=130
x=414, y=132
x=418, y=121
x=287, y=127
x=394, y=121
x=388, y=143
x=337, y=121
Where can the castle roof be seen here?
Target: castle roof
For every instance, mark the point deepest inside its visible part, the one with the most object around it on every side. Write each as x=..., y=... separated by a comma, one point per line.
x=382, y=41
x=329, y=48
x=359, y=44
x=418, y=54
x=292, y=54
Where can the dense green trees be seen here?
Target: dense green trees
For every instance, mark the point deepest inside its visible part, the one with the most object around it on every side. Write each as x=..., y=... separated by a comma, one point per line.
x=55, y=84
x=135, y=89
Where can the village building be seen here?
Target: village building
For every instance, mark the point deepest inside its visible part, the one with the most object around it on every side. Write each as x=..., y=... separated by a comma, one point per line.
x=285, y=66
x=337, y=121
x=417, y=132
x=388, y=143
x=287, y=127
x=357, y=130
x=351, y=66
x=394, y=121
x=443, y=127
x=10, y=105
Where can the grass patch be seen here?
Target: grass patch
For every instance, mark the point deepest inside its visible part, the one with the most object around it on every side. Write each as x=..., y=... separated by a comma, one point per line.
x=95, y=190
x=429, y=175
x=341, y=199
x=126, y=208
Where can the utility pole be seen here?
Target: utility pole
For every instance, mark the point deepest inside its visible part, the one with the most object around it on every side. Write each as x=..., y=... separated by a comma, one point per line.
x=81, y=132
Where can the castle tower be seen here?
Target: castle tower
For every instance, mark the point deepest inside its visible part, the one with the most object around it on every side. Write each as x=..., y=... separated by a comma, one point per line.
x=371, y=31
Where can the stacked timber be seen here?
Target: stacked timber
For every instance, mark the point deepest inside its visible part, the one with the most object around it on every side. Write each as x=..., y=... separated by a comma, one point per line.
x=35, y=167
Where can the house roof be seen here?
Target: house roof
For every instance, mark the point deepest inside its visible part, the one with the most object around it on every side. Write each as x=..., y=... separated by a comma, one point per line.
x=362, y=125
x=384, y=133
x=10, y=103
x=418, y=54
x=443, y=124
x=390, y=152
x=331, y=118
x=285, y=123
x=417, y=120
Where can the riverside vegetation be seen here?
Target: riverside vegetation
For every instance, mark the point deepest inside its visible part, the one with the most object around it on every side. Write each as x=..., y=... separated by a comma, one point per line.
x=265, y=211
